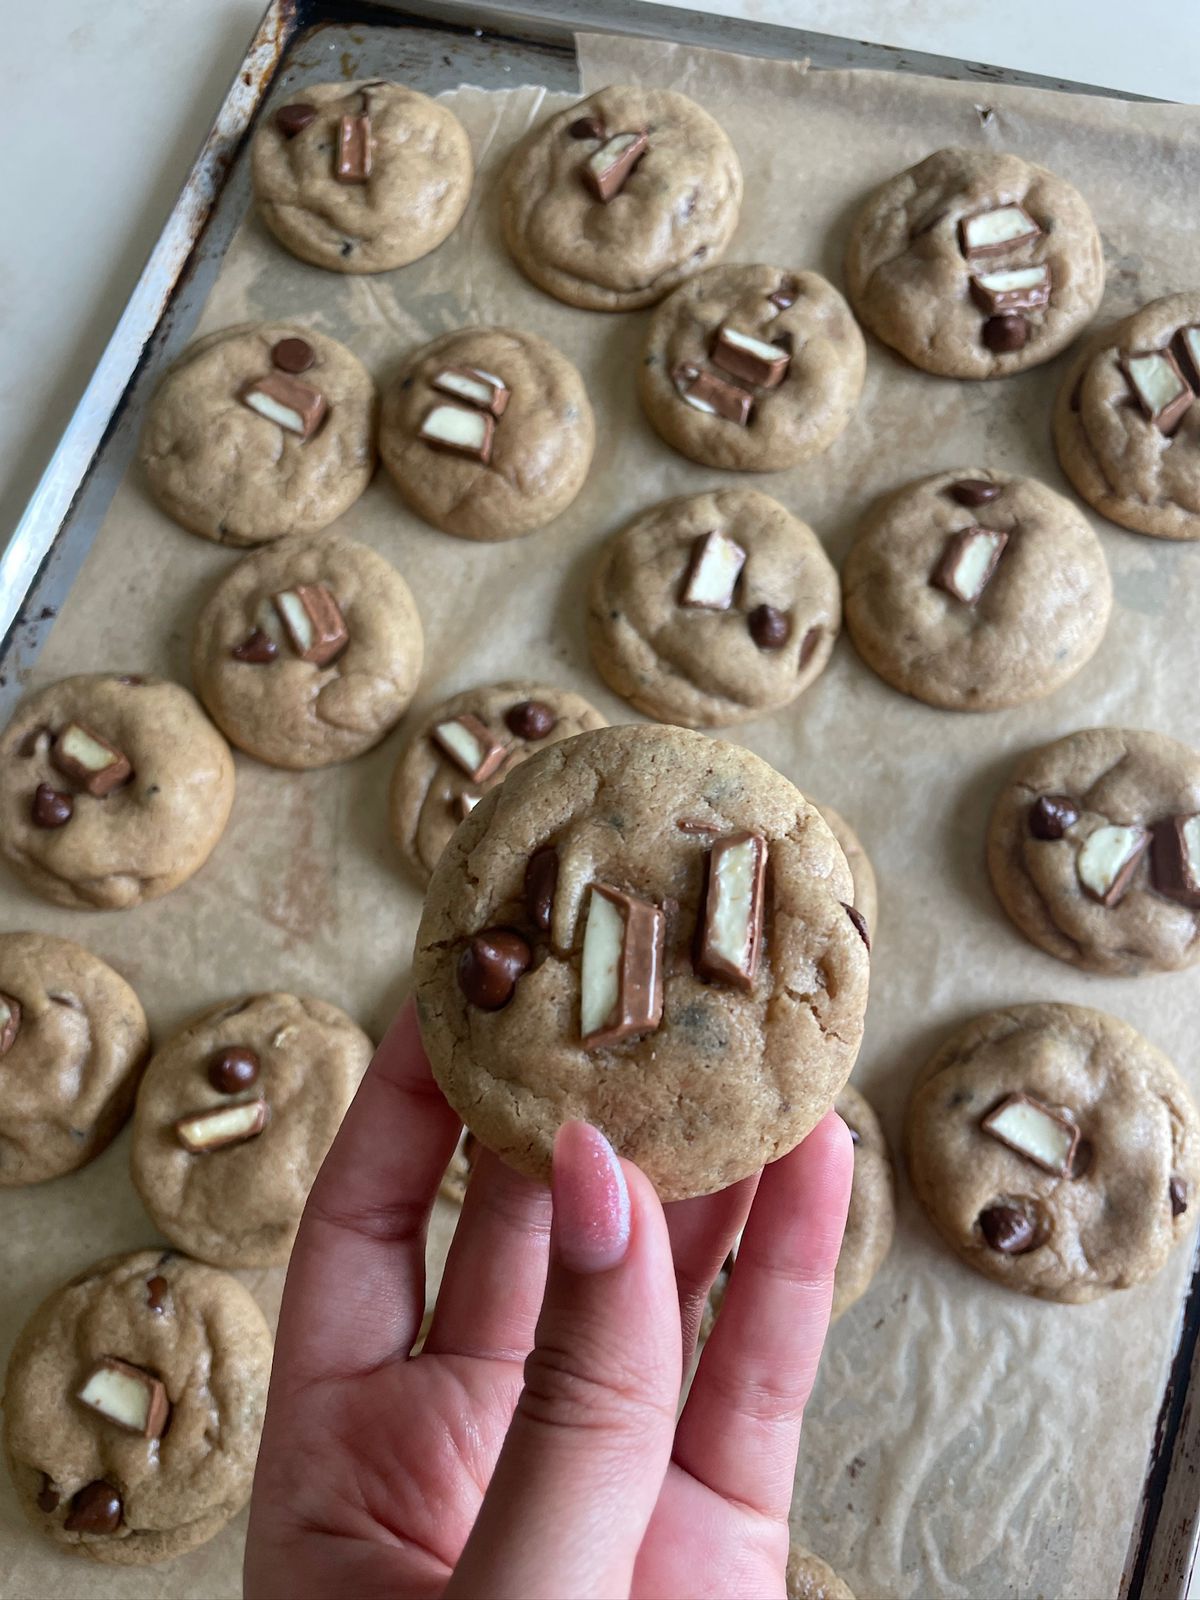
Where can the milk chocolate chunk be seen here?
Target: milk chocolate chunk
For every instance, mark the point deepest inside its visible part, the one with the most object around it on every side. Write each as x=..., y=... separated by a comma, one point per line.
x=353, y=160
x=621, y=974
x=1108, y=859
x=1186, y=345
x=314, y=622
x=1051, y=815
x=769, y=627
x=860, y=923
x=47, y=1496
x=282, y=399
x=460, y=430
x=996, y=231
x=1175, y=859
x=468, y=743
x=1034, y=1130
x=476, y=387
x=973, y=491
x=157, y=1289
x=713, y=572
x=89, y=760
x=291, y=120
x=490, y=965
x=1008, y=1229
x=222, y=1126
x=752, y=360
x=968, y=561
x=541, y=880
x=51, y=808
x=258, y=647
x=10, y=1022
x=531, y=719
x=586, y=128
x=607, y=170
x=97, y=1508
x=234, y=1069
x=704, y=391
x=1005, y=333
x=730, y=930
x=1177, y=1190
x=1012, y=289
x=293, y=355
x=1158, y=386
x=124, y=1394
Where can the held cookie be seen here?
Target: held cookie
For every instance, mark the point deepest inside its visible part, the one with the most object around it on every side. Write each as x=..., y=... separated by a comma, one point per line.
x=466, y=746
x=646, y=929
x=611, y=203
x=1055, y=1150
x=974, y=590
x=488, y=433
x=810, y=1578
x=975, y=265
x=73, y=1041
x=1094, y=850
x=113, y=790
x=865, y=899
x=133, y=1406
x=752, y=368
x=308, y=652
x=258, y=431
x=361, y=177
x=233, y=1119
x=713, y=608
x=1127, y=425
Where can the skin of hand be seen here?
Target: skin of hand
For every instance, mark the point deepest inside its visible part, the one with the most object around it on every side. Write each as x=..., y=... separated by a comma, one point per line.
x=534, y=1447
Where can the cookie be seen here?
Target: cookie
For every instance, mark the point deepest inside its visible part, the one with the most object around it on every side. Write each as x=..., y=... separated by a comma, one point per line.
x=258, y=431
x=233, y=1119
x=646, y=929
x=448, y=763
x=865, y=899
x=1126, y=425
x=308, y=652
x=611, y=203
x=113, y=790
x=1094, y=850
x=361, y=177
x=974, y=264
x=713, y=608
x=1055, y=1150
x=488, y=433
x=752, y=368
x=810, y=1578
x=73, y=1041
x=974, y=590
x=174, y=1360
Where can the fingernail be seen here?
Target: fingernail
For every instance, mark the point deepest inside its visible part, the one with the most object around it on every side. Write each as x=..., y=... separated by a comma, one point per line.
x=590, y=1231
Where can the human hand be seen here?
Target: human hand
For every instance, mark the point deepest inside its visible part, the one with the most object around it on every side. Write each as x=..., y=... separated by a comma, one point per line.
x=532, y=1449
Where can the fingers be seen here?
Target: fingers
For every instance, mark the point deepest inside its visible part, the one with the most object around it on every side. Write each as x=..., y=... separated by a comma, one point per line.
x=740, y=1430
x=702, y=1234
x=355, y=1288
x=589, y=1445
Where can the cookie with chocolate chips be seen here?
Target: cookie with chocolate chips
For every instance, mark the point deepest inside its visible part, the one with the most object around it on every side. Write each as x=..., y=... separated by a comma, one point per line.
x=810, y=1578
x=467, y=745
x=713, y=608
x=611, y=203
x=361, y=177
x=753, y=368
x=133, y=1404
x=1055, y=1150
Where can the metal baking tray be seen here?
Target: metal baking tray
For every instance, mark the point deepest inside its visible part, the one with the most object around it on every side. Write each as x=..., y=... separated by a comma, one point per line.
x=437, y=45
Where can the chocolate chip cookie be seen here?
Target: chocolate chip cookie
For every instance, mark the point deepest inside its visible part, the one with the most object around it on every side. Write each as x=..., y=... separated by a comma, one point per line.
x=308, y=652
x=611, y=203
x=113, y=790
x=713, y=608
x=752, y=368
x=258, y=431
x=73, y=1041
x=866, y=895
x=467, y=745
x=133, y=1406
x=974, y=590
x=647, y=929
x=810, y=1578
x=1127, y=420
x=233, y=1119
x=488, y=433
x=1094, y=850
x=361, y=177
x=974, y=264
x=1055, y=1150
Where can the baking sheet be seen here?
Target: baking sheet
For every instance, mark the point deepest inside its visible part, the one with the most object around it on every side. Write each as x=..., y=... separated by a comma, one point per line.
x=961, y=1441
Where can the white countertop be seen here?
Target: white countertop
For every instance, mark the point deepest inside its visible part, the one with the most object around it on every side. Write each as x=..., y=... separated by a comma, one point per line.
x=110, y=104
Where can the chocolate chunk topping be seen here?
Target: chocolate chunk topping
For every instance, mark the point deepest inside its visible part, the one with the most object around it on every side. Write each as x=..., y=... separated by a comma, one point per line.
x=259, y=648
x=1006, y=333
x=48, y=1495
x=808, y=647
x=490, y=965
x=859, y=921
x=973, y=491
x=233, y=1070
x=785, y=295
x=291, y=120
x=541, y=880
x=51, y=808
x=157, y=1289
x=1051, y=815
x=586, y=128
x=1008, y=1229
x=293, y=355
x=1179, y=1196
x=769, y=628
x=531, y=719
x=97, y=1508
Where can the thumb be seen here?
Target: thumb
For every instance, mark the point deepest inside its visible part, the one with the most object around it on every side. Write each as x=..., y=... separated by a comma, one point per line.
x=581, y=1469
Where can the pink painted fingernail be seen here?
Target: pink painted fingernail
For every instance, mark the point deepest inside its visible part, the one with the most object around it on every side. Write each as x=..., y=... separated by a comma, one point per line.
x=590, y=1232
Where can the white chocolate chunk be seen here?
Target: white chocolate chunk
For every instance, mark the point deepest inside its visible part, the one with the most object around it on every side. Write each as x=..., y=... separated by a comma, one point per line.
x=1190, y=833
x=476, y=391
x=975, y=561
x=992, y=230
x=5, y=1013
x=730, y=928
x=266, y=619
x=1104, y=857
x=1013, y=278
x=603, y=941
x=210, y=1130
x=1030, y=1129
x=457, y=427
x=78, y=745
x=128, y=1396
x=1156, y=380
x=714, y=572
x=295, y=615
x=611, y=151
x=1191, y=343
x=758, y=348
x=267, y=406
x=466, y=748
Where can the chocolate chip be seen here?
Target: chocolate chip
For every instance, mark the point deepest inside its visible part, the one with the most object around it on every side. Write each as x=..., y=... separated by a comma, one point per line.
x=131, y=680
x=586, y=128
x=233, y=1070
x=259, y=647
x=541, y=879
x=97, y=1508
x=769, y=628
x=291, y=120
x=1051, y=815
x=293, y=355
x=1006, y=333
x=1008, y=1229
x=48, y=1496
x=808, y=647
x=490, y=965
x=157, y=1289
x=859, y=921
x=51, y=808
x=531, y=719
x=785, y=295
x=1179, y=1196
x=973, y=491
x=855, y=1136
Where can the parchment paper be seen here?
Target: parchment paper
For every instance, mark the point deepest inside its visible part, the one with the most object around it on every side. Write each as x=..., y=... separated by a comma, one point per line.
x=962, y=1441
